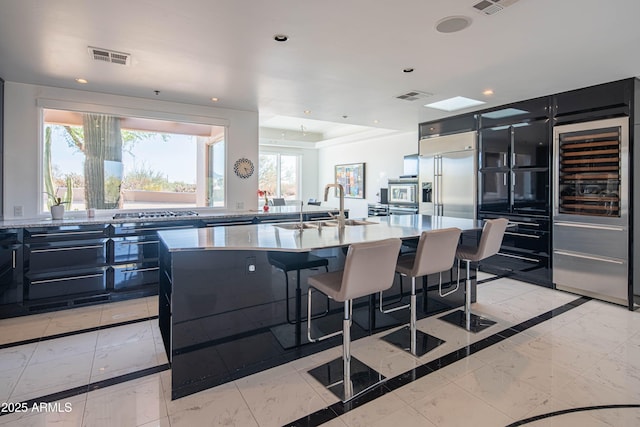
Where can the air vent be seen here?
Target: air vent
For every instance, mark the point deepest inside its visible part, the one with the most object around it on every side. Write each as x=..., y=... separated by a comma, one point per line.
x=414, y=95
x=491, y=7
x=106, y=55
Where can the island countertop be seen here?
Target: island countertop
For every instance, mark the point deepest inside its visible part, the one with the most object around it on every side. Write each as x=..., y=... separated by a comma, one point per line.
x=270, y=237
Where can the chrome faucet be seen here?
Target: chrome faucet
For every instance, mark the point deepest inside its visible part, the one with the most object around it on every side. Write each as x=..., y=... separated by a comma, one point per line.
x=340, y=218
x=301, y=218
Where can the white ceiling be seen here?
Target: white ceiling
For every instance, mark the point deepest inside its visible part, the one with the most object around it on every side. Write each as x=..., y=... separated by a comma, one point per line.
x=344, y=58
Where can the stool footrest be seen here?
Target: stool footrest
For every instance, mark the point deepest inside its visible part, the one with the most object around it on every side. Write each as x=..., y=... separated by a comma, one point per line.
x=476, y=323
x=402, y=339
x=363, y=377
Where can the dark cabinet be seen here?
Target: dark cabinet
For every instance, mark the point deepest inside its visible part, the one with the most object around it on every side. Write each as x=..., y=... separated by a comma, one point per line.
x=519, y=112
x=594, y=102
x=10, y=267
x=514, y=168
x=65, y=261
x=448, y=126
x=134, y=254
x=524, y=253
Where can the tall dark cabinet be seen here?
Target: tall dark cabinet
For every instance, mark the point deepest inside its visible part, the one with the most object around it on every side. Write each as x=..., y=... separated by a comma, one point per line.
x=514, y=182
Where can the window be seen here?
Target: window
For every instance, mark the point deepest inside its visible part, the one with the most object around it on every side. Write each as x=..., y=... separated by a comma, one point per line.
x=279, y=174
x=106, y=161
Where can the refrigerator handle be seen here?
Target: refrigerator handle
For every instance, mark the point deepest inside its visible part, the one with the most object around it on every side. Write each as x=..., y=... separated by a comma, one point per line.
x=504, y=179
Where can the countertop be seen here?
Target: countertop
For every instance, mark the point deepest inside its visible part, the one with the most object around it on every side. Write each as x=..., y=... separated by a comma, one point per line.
x=275, y=238
x=72, y=218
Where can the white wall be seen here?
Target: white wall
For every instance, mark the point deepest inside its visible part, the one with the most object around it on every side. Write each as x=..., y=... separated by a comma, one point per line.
x=22, y=153
x=384, y=158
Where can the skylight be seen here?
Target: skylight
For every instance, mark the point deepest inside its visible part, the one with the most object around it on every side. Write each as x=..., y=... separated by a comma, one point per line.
x=455, y=103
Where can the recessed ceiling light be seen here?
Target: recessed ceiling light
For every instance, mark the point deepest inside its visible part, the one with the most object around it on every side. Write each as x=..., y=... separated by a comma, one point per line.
x=407, y=70
x=307, y=111
x=281, y=37
x=214, y=99
x=82, y=81
x=453, y=24
x=376, y=121
x=488, y=92
x=455, y=103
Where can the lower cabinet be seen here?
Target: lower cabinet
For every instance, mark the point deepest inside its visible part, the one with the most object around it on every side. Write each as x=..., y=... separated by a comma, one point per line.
x=65, y=266
x=524, y=253
x=60, y=284
x=10, y=266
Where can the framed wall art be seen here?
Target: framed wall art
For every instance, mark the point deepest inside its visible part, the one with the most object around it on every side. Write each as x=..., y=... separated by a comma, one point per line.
x=352, y=178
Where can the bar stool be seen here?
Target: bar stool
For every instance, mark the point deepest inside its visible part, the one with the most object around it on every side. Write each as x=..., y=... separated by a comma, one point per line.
x=368, y=269
x=293, y=261
x=490, y=242
x=436, y=252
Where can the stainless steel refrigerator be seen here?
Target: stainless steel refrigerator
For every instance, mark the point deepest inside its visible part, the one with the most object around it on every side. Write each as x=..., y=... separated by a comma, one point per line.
x=591, y=209
x=448, y=175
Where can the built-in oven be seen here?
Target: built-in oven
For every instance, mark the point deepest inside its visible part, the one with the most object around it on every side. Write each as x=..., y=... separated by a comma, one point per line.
x=403, y=192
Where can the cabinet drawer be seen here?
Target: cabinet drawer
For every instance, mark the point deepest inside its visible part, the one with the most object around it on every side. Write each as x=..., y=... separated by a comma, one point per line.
x=135, y=249
x=135, y=275
x=64, y=233
x=64, y=285
x=529, y=267
x=57, y=255
x=530, y=242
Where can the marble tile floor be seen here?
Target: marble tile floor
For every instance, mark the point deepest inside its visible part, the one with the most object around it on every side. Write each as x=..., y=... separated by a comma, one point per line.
x=581, y=366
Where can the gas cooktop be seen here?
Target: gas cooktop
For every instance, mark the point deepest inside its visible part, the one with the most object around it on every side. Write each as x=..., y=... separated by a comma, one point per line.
x=154, y=214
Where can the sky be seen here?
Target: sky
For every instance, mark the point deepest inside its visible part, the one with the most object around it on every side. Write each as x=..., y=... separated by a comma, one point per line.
x=175, y=158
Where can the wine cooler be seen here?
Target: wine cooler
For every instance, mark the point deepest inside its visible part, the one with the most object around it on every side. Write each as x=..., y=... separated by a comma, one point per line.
x=590, y=221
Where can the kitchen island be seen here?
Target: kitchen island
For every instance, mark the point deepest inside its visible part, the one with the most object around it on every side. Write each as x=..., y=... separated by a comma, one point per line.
x=221, y=304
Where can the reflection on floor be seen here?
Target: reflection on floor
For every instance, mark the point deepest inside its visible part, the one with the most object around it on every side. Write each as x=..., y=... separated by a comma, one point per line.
x=586, y=357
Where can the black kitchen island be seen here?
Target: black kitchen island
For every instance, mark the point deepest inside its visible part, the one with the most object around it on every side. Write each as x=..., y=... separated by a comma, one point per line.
x=222, y=307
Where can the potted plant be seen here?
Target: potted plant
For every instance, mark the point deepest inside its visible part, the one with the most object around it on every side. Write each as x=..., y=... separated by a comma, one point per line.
x=265, y=194
x=57, y=208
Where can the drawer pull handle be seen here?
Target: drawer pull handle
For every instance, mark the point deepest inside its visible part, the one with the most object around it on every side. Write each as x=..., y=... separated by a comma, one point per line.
x=137, y=243
x=68, y=233
x=72, y=248
x=528, y=224
x=594, y=227
x=518, y=257
x=593, y=258
x=156, y=228
x=216, y=224
x=531, y=236
x=62, y=279
x=138, y=270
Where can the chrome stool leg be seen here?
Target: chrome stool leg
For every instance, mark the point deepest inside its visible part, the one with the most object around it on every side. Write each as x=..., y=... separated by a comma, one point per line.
x=465, y=318
x=346, y=377
x=409, y=338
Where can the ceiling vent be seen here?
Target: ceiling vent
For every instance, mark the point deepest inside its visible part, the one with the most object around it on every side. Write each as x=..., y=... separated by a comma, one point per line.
x=111, y=56
x=414, y=95
x=491, y=7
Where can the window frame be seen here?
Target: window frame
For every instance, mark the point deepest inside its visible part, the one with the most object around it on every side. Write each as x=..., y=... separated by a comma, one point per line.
x=85, y=107
x=280, y=153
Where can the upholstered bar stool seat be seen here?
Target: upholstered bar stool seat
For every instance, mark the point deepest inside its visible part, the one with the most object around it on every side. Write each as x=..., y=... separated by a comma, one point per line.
x=368, y=269
x=489, y=245
x=435, y=253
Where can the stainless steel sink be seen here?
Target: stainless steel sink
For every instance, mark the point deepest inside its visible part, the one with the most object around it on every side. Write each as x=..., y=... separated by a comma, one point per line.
x=350, y=222
x=296, y=226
